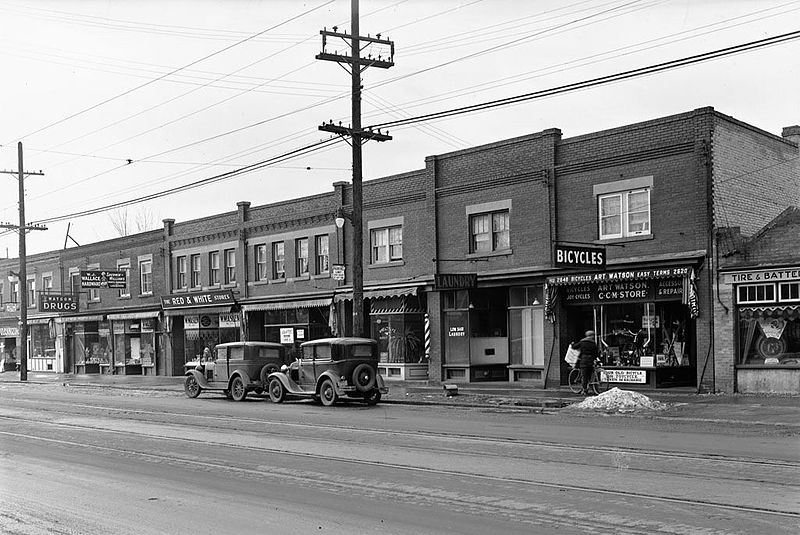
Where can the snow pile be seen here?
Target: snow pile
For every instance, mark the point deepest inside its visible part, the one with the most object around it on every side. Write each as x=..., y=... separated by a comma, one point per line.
x=616, y=400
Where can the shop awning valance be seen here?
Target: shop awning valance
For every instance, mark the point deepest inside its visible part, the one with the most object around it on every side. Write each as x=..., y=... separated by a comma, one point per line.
x=134, y=315
x=285, y=305
x=78, y=319
x=193, y=311
x=619, y=276
x=378, y=293
x=774, y=311
x=38, y=320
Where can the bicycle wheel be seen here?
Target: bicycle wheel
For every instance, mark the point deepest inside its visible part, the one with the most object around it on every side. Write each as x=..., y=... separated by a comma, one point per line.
x=575, y=380
x=599, y=383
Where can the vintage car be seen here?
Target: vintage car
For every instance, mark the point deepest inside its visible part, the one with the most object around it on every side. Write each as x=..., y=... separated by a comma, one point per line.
x=235, y=369
x=330, y=369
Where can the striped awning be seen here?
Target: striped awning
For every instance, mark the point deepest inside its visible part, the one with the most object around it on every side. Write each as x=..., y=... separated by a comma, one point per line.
x=285, y=305
x=786, y=312
x=77, y=319
x=134, y=315
x=378, y=293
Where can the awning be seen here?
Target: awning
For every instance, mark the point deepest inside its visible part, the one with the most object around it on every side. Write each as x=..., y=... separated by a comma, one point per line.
x=378, y=293
x=619, y=276
x=193, y=311
x=134, y=315
x=38, y=320
x=787, y=312
x=76, y=319
x=285, y=305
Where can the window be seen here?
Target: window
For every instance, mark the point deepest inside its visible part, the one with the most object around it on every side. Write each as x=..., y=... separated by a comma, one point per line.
x=321, y=248
x=489, y=232
x=32, y=293
x=146, y=277
x=789, y=291
x=15, y=291
x=278, y=271
x=181, y=283
x=301, y=256
x=756, y=293
x=386, y=244
x=2, y=292
x=624, y=214
x=47, y=284
x=213, y=268
x=261, y=262
x=230, y=266
x=195, y=263
x=75, y=283
x=126, y=267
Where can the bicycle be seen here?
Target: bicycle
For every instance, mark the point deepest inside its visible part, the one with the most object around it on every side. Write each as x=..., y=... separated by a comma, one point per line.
x=598, y=382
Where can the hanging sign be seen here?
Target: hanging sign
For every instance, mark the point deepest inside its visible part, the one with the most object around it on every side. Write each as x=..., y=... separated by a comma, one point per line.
x=106, y=278
x=579, y=256
x=58, y=303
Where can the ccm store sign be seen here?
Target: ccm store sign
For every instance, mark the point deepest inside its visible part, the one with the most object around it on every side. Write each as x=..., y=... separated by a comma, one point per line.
x=579, y=256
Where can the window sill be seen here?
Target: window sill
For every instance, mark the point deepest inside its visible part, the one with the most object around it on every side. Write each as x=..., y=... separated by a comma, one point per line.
x=181, y=290
x=301, y=278
x=260, y=282
x=148, y=294
x=394, y=263
x=325, y=275
x=229, y=285
x=488, y=254
x=124, y=297
x=643, y=237
x=277, y=281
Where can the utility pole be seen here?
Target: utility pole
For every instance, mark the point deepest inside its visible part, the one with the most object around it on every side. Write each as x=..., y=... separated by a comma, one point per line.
x=357, y=137
x=22, y=276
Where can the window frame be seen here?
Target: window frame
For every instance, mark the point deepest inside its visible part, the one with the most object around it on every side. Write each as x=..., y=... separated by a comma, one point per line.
x=492, y=235
x=301, y=257
x=195, y=275
x=229, y=260
x=260, y=260
x=181, y=270
x=623, y=217
x=47, y=283
x=322, y=254
x=125, y=265
x=213, y=268
x=388, y=247
x=793, y=291
x=145, y=277
x=30, y=288
x=279, y=260
x=94, y=293
x=14, y=291
x=755, y=300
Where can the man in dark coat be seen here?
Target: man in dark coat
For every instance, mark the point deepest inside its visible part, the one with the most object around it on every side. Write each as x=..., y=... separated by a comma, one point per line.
x=589, y=353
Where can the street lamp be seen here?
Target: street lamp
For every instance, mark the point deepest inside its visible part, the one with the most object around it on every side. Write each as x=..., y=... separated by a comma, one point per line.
x=354, y=216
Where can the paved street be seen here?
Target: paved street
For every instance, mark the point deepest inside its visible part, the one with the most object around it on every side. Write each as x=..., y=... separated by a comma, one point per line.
x=92, y=459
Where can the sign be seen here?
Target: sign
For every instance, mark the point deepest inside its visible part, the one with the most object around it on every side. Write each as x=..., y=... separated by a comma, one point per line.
x=617, y=276
x=456, y=331
x=764, y=275
x=198, y=299
x=58, y=303
x=772, y=327
x=300, y=334
x=579, y=256
x=337, y=272
x=624, y=376
x=228, y=321
x=106, y=278
x=287, y=335
x=455, y=281
x=12, y=307
x=647, y=362
x=9, y=332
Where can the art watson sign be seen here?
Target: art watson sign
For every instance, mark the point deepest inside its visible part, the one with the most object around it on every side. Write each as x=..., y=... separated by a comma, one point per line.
x=58, y=303
x=579, y=256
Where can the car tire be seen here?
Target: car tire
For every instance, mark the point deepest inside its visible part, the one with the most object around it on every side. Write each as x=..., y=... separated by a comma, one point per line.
x=238, y=390
x=364, y=377
x=327, y=393
x=191, y=387
x=276, y=391
x=265, y=371
x=373, y=397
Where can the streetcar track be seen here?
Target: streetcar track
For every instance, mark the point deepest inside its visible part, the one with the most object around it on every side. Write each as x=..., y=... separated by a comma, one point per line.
x=361, y=462
x=662, y=454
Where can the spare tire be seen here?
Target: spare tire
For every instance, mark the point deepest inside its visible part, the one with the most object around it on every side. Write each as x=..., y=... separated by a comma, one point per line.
x=364, y=377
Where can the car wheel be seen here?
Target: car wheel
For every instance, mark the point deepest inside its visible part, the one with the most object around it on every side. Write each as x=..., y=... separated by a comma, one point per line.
x=327, y=393
x=238, y=391
x=265, y=371
x=276, y=391
x=364, y=377
x=373, y=397
x=191, y=387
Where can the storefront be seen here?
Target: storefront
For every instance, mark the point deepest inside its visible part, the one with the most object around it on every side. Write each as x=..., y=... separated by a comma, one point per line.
x=136, y=343
x=197, y=321
x=398, y=324
x=89, y=344
x=644, y=320
x=767, y=329
x=289, y=322
x=9, y=334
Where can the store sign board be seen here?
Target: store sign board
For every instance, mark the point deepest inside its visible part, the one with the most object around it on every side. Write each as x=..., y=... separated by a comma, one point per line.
x=619, y=276
x=630, y=291
x=763, y=275
x=228, y=321
x=573, y=256
x=9, y=332
x=624, y=376
x=455, y=281
x=106, y=278
x=12, y=307
x=58, y=303
x=198, y=299
x=337, y=272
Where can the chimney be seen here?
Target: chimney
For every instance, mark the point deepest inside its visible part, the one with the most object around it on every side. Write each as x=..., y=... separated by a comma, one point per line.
x=244, y=210
x=168, y=226
x=792, y=133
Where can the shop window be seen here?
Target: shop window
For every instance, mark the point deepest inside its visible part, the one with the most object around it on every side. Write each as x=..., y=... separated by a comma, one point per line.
x=42, y=344
x=489, y=232
x=455, y=300
x=213, y=268
x=789, y=291
x=146, y=277
x=194, y=260
x=301, y=256
x=386, y=244
x=321, y=251
x=182, y=283
x=756, y=293
x=624, y=214
x=126, y=267
x=399, y=336
x=261, y=262
x=526, y=326
x=770, y=337
x=487, y=314
x=230, y=266
x=278, y=265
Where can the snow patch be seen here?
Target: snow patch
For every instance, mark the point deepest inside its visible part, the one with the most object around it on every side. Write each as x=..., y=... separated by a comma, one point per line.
x=617, y=400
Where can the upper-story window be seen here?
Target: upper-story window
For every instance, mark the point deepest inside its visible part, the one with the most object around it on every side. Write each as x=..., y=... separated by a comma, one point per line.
x=75, y=283
x=261, y=262
x=125, y=265
x=756, y=293
x=2, y=292
x=278, y=271
x=181, y=268
x=623, y=207
x=213, y=268
x=15, y=291
x=32, y=293
x=230, y=266
x=321, y=249
x=490, y=231
x=301, y=256
x=47, y=283
x=386, y=244
x=194, y=261
x=146, y=276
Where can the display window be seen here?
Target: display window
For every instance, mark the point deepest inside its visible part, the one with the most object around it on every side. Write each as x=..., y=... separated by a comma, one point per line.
x=206, y=331
x=91, y=343
x=769, y=336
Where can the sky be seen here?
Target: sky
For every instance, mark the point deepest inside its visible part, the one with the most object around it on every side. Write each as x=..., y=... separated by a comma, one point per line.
x=115, y=100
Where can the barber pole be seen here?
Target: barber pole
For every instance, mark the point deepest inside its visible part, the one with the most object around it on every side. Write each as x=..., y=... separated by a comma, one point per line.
x=427, y=337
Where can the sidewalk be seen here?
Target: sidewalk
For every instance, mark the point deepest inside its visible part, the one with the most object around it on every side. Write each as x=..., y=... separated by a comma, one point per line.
x=684, y=403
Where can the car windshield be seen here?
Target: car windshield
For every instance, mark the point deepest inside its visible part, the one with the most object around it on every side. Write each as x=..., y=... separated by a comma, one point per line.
x=361, y=351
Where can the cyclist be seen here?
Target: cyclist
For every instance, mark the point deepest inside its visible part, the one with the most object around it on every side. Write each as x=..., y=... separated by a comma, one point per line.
x=589, y=353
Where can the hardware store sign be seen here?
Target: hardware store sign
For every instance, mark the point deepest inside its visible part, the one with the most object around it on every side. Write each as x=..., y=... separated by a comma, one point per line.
x=103, y=279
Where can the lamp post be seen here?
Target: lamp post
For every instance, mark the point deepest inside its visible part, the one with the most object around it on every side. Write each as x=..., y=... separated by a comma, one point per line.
x=343, y=214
